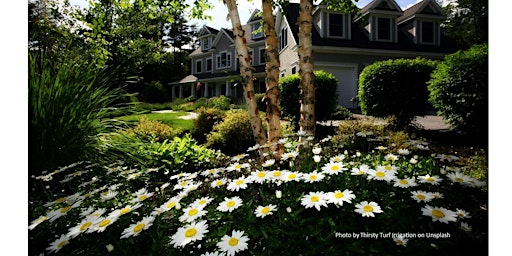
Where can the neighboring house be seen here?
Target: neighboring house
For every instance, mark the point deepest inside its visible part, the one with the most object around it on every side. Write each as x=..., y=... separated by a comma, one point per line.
x=342, y=44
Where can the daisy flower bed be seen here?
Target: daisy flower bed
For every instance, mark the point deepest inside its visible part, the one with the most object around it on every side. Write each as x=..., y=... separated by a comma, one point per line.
x=319, y=200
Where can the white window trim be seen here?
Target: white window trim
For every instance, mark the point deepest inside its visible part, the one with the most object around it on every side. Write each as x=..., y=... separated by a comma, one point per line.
x=206, y=62
x=257, y=35
x=228, y=63
x=209, y=43
x=390, y=29
x=195, y=67
x=433, y=32
x=329, y=25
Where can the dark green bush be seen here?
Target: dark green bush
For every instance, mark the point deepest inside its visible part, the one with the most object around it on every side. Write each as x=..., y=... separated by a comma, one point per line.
x=203, y=124
x=341, y=113
x=396, y=88
x=154, y=92
x=325, y=94
x=459, y=90
x=233, y=134
x=219, y=102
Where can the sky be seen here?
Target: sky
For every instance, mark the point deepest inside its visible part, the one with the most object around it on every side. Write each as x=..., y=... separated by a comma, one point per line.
x=245, y=9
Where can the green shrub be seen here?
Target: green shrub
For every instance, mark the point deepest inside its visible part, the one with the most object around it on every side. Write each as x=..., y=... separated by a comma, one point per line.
x=341, y=113
x=233, y=134
x=152, y=130
x=219, y=102
x=203, y=124
x=396, y=88
x=325, y=94
x=459, y=90
x=154, y=92
x=69, y=105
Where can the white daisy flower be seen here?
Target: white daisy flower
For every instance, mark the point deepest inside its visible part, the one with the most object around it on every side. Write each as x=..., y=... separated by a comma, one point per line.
x=391, y=157
x=217, y=183
x=421, y=196
x=337, y=158
x=260, y=176
x=268, y=163
x=404, y=152
x=85, y=225
x=189, y=233
x=126, y=209
x=182, y=184
x=333, y=168
x=202, y=202
x=173, y=202
x=457, y=177
x=367, y=209
x=465, y=227
x=141, y=195
x=440, y=214
x=230, y=204
x=103, y=222
x=317, y=158
x=237, y=167
x=461, y=214
x=312, y=177
x=387, y=168
x=97, y=212
x=400, y=240
x=405, y=182
x=232, y=244
x=363, y=169
x=338, y=197
x=380, y=174
x=53, y=215
x=191, y=213
x=437, y=195
x=263, y=211
x=290, y=155
x=239, y=157
x=213, y=254
x=317, y=151
x=109, y=194
x=237, y=184
x=136, y=228
x=291, y=176
x=314, y=199
x=434, y=180
x=37, y=222
x=56, y=245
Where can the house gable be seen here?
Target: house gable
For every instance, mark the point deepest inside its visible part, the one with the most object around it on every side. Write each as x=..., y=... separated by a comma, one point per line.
x=421, y=23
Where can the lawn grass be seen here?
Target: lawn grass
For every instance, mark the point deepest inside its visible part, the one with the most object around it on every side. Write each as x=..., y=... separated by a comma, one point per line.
x=171, y=119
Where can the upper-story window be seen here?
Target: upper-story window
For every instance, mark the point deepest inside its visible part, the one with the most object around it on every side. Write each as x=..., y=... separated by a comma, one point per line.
x=384, y=29
x=199, y=66
x=336, y=25
x=427, y=32
x=209, y=64
x=206, y=43
x=283, y=38
x=256, y=31
x=224, y=60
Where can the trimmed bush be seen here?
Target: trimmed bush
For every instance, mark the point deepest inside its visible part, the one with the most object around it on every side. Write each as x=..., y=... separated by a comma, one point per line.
x=396, y=88
x=151, y=130
x=325, y=94
x=203, y=124
x=233, y=134
x=219, y=102
x=459, y=90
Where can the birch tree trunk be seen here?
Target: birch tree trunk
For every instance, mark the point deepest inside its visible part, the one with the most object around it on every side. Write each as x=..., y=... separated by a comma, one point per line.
x=273, y=113
x=307, y=80
x=246, y=72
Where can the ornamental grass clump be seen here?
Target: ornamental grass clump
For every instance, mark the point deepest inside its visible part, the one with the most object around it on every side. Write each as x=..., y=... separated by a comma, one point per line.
x=323, y=200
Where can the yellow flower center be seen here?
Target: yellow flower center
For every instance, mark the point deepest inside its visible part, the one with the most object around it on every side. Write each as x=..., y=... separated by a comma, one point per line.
x=142, y=197
x=190, y=232
x=171, y=205
x=60, y=200
x=124, y=210
x=277, y=173
x=233, y=241
x=238, y=166
x=265, y=210
x=202, y=201
x=139, y=227
x=404, y=182
x=292, y=176
x=261, y=174
x=313, y=177
x=85, y=226
x=219, y=183
x=360, y=172
x=459, y=180
x=438, y=214
x=421, y=197
x=192, y=212
x=240, y=182
x=62, y=244
x=183, y=183
x=380, y=174
x=368, y=208
x=400, y=242
x=65, y=209
x=105, y=193
x=338, y=195
x=335, y=168
x=430, y=179
x=314, y=199
x=388, y=168
x=230, y=203
x=104, y=223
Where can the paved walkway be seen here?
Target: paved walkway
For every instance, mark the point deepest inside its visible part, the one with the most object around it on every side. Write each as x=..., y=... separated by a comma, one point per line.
x=191, y=115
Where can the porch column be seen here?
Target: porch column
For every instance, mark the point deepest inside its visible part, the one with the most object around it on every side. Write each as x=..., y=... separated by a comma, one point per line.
x=181, y=91
x=192, y=91
x=206, y=90
x=218, y=89
x=227, y=88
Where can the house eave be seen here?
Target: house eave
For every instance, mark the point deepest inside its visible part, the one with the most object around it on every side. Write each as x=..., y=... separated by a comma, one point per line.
x=374, y=52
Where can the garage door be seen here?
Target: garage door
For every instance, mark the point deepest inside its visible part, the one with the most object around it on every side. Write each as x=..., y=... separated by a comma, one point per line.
x=347, y=84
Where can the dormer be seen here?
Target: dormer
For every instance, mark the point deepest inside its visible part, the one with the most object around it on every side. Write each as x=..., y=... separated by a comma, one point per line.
x=332, y=24
x=379, y=19
x=206, y=36
x=255, y=24
x=421, y=22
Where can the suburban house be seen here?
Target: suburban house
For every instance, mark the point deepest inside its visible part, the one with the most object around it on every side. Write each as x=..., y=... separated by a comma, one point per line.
x=343, y=44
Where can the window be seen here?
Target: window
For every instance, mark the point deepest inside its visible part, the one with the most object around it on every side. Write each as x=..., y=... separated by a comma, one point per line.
x=383, y=29
x=283, y=38
x=294, y=70
x=262, y=56
x=335, y=25
x=256, y=27
x=224, y=60
x=206, y=43
x=199, y=66
x=209, y=64
x=427, y=32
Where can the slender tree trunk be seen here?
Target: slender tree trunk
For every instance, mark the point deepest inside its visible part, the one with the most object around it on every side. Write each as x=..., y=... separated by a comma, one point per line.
x=307, y=78
x=246, y=72
x=273, y=114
